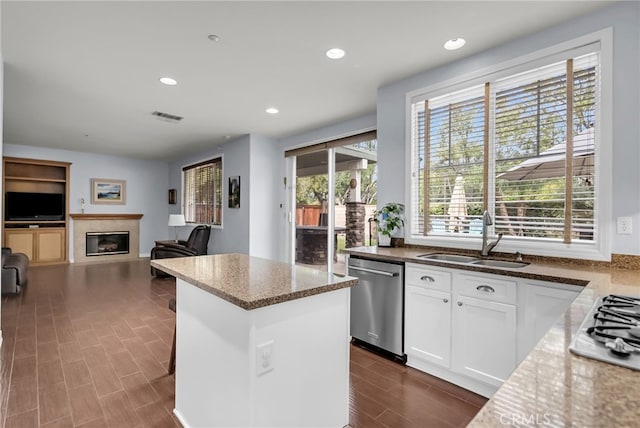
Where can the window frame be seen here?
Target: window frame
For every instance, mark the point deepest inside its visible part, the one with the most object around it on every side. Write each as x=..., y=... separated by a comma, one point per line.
x=202, y=162
x=600, y=249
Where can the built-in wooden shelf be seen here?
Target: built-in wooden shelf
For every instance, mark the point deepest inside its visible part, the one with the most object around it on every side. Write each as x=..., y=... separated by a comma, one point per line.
x=110, y=216
x=43, y=241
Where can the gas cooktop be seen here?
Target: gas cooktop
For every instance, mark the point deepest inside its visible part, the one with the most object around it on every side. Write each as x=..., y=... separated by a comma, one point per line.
x=611, y=332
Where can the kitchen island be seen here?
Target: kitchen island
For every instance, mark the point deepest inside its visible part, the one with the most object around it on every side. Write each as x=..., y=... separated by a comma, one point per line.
x=259, y=343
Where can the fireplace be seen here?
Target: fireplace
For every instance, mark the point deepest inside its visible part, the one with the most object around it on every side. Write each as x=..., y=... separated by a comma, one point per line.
x=107, y=243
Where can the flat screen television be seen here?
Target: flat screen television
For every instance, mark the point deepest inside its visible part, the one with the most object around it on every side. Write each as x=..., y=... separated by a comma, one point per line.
x=28, y=206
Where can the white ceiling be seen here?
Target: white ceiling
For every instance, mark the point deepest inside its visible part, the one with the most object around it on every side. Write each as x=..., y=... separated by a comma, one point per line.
x=83, y=75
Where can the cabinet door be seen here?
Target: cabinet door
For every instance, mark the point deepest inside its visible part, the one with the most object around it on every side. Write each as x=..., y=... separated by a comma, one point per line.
x=50, y=245
x=428, y=325
x=484, y=339
x=20, y=241
x=543, y=306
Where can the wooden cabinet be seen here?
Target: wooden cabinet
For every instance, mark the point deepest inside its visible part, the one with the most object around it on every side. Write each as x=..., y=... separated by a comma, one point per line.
x=43, y=241
x=41, y=245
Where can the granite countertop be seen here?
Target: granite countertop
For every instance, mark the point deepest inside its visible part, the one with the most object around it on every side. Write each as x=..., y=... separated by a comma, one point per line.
x=552, y=386
x=251, y=282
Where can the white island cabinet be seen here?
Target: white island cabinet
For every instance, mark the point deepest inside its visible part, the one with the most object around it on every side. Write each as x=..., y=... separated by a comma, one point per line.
x=259, y=343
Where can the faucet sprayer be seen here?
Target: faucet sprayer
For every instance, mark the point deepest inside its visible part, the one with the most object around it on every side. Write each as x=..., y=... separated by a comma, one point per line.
x=486, y=246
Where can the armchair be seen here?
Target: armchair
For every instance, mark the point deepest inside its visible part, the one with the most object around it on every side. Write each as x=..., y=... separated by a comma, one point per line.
x=14, y=271
x=195, y=245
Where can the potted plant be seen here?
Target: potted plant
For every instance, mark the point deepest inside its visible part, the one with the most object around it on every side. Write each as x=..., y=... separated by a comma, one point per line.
x=389, y=219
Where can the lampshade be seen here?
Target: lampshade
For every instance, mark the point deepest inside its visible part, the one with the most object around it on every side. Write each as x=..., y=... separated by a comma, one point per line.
x=176, y=220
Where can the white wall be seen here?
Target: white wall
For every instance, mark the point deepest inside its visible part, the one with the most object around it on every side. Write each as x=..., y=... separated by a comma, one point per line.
x=624, y=18
x=146, y=187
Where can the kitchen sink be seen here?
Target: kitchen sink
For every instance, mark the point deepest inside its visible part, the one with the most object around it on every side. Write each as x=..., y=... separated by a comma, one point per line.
x=456, y=258
x=471, y=260
x=499, y=263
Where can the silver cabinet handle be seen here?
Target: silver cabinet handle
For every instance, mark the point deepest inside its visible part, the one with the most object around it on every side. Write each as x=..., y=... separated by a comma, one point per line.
x=427, y=278
x=445, y=300
x=373, y=271
x=459, y=303
x=485, y=288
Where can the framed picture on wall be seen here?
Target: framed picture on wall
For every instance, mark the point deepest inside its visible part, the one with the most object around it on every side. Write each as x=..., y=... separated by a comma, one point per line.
x=234, y=192
x=107, y=191
x=173, y=196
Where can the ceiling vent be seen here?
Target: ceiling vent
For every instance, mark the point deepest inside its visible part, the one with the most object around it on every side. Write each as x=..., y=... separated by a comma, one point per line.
x=167, y=117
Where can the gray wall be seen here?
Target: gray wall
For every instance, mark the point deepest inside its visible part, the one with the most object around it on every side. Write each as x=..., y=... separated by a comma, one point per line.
x=146, y=189
x=624, y=18
x=266, y=197
x=249, y=229
x=233, y=237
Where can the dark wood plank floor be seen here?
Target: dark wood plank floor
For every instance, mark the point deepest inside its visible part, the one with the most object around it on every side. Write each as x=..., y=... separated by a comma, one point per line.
x=88, y=346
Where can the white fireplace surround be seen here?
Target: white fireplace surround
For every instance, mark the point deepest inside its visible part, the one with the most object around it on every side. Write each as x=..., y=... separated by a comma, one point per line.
x=83, y=223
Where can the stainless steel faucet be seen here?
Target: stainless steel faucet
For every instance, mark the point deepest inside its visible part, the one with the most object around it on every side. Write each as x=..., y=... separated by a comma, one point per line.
x=486, y=246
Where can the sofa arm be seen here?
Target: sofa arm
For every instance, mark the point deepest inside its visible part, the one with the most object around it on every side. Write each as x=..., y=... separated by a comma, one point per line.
x=9, y=281
x=18, y=262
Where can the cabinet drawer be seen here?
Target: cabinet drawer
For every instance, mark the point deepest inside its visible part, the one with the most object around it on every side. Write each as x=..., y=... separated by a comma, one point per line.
x=487, y=288
x=428, y=278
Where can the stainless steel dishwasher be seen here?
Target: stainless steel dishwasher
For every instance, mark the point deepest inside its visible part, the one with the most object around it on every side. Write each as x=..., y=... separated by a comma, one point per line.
x=377, y=304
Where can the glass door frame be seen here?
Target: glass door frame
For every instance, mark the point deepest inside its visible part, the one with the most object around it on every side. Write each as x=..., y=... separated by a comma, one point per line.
x=331, y=208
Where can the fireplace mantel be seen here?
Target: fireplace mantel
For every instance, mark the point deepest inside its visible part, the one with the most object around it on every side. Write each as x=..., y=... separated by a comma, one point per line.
x=105, y=222
x=110, y=216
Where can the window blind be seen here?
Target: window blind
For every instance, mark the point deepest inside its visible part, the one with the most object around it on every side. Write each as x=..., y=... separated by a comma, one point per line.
x=448, y=137
x=203, y=192
x=506, y=141
x=530, y=145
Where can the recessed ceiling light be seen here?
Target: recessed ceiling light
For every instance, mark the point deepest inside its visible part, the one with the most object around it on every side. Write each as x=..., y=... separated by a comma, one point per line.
x=168, y=81
x=213, y=37
x=335, y=53
x=453, y=44
x=272, y=110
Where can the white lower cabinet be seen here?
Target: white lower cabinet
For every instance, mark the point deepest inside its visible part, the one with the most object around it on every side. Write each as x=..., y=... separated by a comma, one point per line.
x=473, y=328
x=428, y=325
x=542, y=305
x=484, y=339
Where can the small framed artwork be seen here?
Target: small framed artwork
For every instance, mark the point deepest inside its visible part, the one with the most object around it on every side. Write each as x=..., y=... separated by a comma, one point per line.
x=234, y=192
x=107, y=191
x=173, y=196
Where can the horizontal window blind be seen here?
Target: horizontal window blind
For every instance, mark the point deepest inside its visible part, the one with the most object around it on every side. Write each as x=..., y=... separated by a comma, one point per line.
x=534, y=187
x=452, y=148
x=530, y=146
x=340, y=142
x=203, y=192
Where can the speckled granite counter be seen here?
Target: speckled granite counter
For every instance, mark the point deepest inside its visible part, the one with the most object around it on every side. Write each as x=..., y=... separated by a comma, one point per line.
x=251, y=282
x=552, y=386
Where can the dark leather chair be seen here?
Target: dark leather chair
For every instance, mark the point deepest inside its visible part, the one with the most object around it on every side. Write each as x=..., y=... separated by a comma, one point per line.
x=195, y=245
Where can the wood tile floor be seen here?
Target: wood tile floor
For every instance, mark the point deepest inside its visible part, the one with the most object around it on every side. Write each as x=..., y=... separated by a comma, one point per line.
x=88, y=346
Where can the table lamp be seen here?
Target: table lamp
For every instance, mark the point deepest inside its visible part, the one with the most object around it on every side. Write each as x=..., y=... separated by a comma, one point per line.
x=176, y=220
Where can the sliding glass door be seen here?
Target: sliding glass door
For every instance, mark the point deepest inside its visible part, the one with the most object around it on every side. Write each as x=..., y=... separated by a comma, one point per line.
x=331, y=195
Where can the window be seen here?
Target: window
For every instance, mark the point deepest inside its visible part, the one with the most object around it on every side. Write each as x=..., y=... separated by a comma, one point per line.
x=203, y=192
x=501, y=145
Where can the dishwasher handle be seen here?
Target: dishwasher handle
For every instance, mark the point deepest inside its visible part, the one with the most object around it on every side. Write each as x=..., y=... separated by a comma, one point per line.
x=374, y=271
